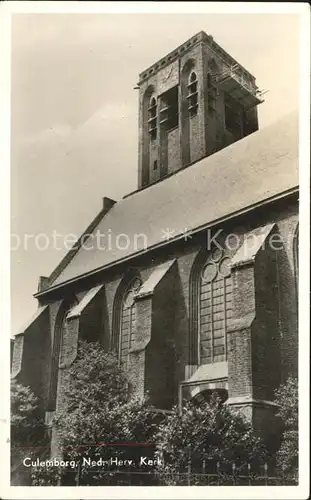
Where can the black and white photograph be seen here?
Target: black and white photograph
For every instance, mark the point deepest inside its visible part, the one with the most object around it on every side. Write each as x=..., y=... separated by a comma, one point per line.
x=157, y=340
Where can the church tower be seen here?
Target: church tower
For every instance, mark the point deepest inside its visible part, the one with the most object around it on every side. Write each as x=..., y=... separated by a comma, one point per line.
x=192, y=103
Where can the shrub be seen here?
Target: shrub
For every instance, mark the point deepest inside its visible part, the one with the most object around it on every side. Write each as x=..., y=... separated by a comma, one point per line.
x=26, y=419
x=99, y=412
x=209, y=432
x=287, y=399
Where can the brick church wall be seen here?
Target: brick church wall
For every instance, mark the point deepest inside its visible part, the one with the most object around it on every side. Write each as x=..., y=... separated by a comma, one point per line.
x=251, y=362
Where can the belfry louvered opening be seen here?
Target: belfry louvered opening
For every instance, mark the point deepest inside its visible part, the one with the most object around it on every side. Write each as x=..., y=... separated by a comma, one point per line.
x=153, y=115
x=192, y=96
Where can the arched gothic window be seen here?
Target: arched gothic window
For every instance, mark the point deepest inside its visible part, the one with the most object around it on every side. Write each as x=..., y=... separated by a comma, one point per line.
x=128, y=321
x=59, y=333
x=210, y=307
x=192, y=94
x=215, y=308
x=152, y=121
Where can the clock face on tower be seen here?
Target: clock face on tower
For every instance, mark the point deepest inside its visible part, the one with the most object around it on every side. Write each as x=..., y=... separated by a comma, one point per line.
x=168, y=77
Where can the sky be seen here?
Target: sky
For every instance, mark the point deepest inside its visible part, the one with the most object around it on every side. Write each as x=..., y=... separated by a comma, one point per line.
x=74, y=110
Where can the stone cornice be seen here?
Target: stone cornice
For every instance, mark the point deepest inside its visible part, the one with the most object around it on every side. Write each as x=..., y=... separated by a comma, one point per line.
x=248, y=400
x=179, y=51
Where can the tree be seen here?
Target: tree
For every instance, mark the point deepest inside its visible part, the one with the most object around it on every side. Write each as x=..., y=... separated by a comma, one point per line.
x=27, y=425
x=287, y=399
x=209, y=432
x=26, y=420
x=99, y=415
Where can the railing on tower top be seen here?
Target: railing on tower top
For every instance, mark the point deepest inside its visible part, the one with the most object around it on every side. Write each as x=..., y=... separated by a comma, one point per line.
x=234, y=73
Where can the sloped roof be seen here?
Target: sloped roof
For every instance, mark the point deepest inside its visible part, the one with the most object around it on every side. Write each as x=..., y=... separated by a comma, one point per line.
x=154, y=279
x=31, y=320
x=84, y=302
x=261, y=166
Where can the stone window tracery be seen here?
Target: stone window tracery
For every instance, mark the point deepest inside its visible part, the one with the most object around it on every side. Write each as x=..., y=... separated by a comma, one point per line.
x=214, y=308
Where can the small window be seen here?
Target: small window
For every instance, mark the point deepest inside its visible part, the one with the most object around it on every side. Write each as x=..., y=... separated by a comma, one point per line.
x=155, y=165
x=152, y=121
x=193, y=77
x=192, y=94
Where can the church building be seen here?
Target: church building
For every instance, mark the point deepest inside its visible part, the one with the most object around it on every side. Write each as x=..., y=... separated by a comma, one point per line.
x=192, y=278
